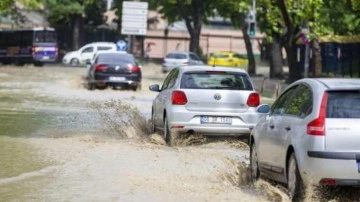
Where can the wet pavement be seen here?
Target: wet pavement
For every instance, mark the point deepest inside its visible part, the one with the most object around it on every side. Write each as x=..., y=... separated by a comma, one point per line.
x=56, y=144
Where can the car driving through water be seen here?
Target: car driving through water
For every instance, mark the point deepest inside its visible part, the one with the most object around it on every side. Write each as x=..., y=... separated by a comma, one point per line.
x=205, y=100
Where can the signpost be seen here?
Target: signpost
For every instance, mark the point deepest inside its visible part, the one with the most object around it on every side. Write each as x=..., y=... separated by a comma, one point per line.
x=134, y=18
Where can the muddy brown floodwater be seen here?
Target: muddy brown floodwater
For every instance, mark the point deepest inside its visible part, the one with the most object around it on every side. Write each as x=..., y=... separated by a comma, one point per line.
x=61, y=142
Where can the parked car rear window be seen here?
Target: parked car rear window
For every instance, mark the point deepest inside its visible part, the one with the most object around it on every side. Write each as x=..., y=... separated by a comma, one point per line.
x=344, y=104
x=113, y=58
x=215, y=80
x=104, y=48
x=176, y=56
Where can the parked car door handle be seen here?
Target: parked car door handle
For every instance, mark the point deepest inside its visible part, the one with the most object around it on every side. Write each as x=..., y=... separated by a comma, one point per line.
x=287, y=128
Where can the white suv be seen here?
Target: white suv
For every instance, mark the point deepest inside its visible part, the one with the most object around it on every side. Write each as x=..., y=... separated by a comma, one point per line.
x=79, y=57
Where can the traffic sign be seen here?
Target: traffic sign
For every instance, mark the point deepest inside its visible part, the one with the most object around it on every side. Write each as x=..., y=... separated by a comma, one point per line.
x=134, y=18
x=133, y=31
x=121, y=45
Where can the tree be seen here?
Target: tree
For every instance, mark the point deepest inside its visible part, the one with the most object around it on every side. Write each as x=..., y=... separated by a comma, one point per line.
x=10, y=8
x=5, y=5
x=193, y=12
x=73, y=12
x=287, y=19
x=237, y=11
x=267, y=18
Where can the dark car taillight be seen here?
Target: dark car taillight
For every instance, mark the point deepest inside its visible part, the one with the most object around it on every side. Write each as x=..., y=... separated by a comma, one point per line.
x=253, y=100
x=178, y=98
x=133, y=68
x=317, y=126
x=101, y=68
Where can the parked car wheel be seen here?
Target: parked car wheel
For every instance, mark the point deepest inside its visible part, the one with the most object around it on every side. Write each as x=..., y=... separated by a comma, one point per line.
x=90, y=86
x=74, y=62
x=295, y=185
x=255, y=173
x=38, y=64
x=168, y=133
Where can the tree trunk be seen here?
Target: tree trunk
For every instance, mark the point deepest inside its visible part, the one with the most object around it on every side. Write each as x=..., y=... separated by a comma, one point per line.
x=290, y=42
x=78, y=31
x=294, y=70
x=251, y=65
x=316, y=57
x=275, y=60
x=193, y=23
x=194, y=45
x=198, y=12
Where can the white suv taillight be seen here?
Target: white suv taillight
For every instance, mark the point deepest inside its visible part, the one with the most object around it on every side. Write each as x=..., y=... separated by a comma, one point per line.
x=178, y=98
x=253, y=100
x=317, y=126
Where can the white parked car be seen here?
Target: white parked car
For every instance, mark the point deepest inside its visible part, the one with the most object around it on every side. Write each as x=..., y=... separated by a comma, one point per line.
x=178, y=58
x=87, y=52
x=311, y=136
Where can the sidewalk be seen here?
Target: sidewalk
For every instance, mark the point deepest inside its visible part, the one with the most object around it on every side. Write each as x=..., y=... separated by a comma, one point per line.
x=268, y=88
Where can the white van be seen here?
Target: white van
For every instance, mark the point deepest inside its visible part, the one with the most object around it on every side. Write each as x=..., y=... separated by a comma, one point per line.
x=87, y=52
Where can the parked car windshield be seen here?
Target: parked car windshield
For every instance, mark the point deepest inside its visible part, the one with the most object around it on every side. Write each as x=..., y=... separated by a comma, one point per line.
x=344, y=104
x=114, y=58
x=176, y=56
x=215, y=80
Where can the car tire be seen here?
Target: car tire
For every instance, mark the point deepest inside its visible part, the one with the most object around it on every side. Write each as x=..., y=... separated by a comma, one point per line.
x=38, y=64
x=153, y=126
x=74, y=62
x=101, y=87
x=90, y=86
x=254, y=164
x=295, y=185
x=168, y=136
x=134, y=88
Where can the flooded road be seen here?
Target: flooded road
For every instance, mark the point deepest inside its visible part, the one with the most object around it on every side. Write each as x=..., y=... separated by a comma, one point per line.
x=61, y=142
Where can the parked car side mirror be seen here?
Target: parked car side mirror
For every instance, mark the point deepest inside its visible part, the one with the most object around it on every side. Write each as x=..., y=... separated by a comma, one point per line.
x=155, y=88
x=263, y=108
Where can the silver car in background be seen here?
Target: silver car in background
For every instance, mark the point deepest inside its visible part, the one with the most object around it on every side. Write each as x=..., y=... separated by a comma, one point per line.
x=205, y=100
x=176, y=59
x=311, y=136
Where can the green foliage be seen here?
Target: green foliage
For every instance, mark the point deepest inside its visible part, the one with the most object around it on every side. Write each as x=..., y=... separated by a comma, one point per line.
x=5, y=5
x=355, y=5
x=31, y=4
x=62, y=10
x=236, y=10
x=338, y=18
x=175, y=10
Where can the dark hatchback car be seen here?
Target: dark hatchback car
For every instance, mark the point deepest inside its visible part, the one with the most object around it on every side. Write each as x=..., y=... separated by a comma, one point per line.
x=114, y=69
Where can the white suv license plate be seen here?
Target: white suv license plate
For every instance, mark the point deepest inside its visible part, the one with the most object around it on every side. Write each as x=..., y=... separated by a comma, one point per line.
x=116, y=78
x=215, y=119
